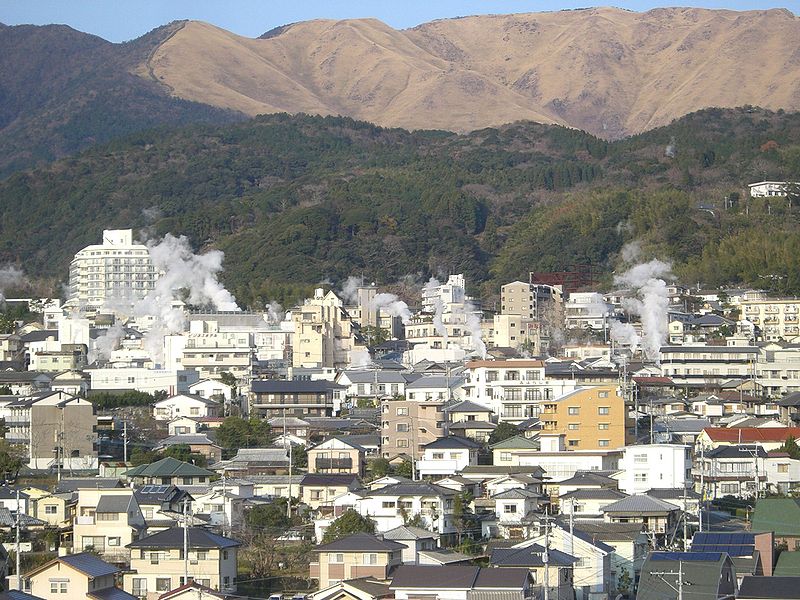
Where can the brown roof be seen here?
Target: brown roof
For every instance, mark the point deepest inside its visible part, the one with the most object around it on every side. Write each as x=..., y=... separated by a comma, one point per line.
x=505, y=364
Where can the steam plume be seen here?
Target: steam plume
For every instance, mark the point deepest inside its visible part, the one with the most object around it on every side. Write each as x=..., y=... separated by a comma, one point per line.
x=651, y=302
x=393, y=305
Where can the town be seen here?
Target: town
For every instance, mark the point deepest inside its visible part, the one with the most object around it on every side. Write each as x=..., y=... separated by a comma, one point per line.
x=568, y=443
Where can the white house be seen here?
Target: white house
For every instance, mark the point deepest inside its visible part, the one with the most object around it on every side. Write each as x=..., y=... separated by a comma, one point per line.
x=447, y=456
x=182, y=405
x=655, y=466
x=515, y=510
x=767, y=189
x=211, y=388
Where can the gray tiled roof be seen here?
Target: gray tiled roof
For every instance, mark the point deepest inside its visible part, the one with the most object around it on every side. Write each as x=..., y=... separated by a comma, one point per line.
x=416, y=488
x=89, y=564
x=114, y=504
x=434, y=577
x=173, y=538
x=639, y=504
x=467, y=406
x=360, y=542
x=408, y=532
x=111, y=593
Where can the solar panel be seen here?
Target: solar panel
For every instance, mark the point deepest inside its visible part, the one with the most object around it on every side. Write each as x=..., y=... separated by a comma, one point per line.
x=731, y=550
x=686, y=556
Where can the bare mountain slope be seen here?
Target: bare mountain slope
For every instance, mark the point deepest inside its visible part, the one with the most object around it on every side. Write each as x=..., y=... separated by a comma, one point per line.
x=608, y=71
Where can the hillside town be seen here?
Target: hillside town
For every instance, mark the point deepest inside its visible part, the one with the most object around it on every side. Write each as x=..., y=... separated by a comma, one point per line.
x=568, y=443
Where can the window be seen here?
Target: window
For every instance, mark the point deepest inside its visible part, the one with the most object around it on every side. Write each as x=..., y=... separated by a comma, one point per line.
x=783, y=468
x=574, y=410
x=194, y=411
x=505, y=456
x=187, y=480
x=202, y=555
x=50, y=509
x=602, y=394
x=402, y=412
x=573, y=442
x=510, y=508
x=573, y=426
x=139, y=587
x=438, y=455
x=402, y=427
x=370, y=559
x=603, y=443
x=640, y=477
x=402, y=443
x=163, y=584
x=316, y=494
x=108, y=516
x=388, y=504
x=603, y=410
x=224, y=555
x=602, y=426
x=336, y=558
x=114, y=541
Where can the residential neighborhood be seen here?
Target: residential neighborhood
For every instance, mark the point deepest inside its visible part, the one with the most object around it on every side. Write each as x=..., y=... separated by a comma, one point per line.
x=459, y=453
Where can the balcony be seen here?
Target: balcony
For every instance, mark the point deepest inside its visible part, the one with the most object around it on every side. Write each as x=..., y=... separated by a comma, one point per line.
x=84, y=520
x=337, y=464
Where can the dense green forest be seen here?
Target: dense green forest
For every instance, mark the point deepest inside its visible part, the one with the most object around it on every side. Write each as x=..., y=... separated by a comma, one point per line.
x=298, y=200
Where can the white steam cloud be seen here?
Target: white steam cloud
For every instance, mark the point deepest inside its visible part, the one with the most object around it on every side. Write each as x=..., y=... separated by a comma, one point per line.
x=393, y=305
x=106, y=344
x=473, y=324
x=274, y=313
x=438, y=315
x=651, y=302
x=350, y=289
x=625, y=334
x=10, y=276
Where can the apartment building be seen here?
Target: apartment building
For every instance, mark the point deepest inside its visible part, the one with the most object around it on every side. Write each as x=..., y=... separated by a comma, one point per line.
x=275, y=398
x=776, y=318
x=528, y=300
x=324, y=336
x=117, y=269
x=702, y=366
x=591, y=418
x=407, y=425
x=55, y=428
x=587, y=310
x=514, y=389
x=157, y=562
x=731, y=471
x=655, y=466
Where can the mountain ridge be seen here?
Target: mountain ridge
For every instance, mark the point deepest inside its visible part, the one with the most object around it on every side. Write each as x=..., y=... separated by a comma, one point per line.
x=607, y=71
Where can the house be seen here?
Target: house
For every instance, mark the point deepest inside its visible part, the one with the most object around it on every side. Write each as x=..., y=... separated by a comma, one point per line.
x=319, y=490
x=80, y=575
x=705, y=576
x=467, y=411
x=588, y=503
x=414, y=540
x=169, y=471
x=52, y=508
x=14, y=500
x=255, y=461
x=461, y=582
x=731, y=471
x=631, y=545
x=504, y=452
x=447, y=456
x=337, y=455
x=105, y=521
x=198, y=443
x=558, y=577
x=659, y=517
x=514, y=509
x=157, y=562
x=783, y=473
x=392, y=505
x=194, y=591
x=768, y=588
x=647, y=466
x=480, y=431
x=185, y=405
x=355, y=589
x=372, y=385
x=160, y=504
x=183, y=425
x=212, y=389
x=592, y=567
x=353, y=557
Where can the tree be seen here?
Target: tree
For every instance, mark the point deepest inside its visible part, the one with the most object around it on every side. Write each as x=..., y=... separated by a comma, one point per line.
x=299, y=457
x=229, y=379
x=790, y=447
x=349, y=523
x=405, y=469
x=380, y=467
x=184, y=452
x=236, y=432
x=11, y=457
x=503, y=431
x=375, y=336
x=270, y=517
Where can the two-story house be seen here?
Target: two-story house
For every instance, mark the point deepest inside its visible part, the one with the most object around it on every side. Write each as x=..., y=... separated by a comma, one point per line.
x=157, y=562
x=169, y=471
x=337, y=455
x=353, y=557
x=447, y=456
x=106, y=521
x=185, y=405
x=80, y=575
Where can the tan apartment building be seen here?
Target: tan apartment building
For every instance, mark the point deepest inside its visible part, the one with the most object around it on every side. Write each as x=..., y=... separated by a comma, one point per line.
x=407, y=426
x=157, y=563
x=777, y=318
x=355, y=556
x=337, y=455
x=591, y=418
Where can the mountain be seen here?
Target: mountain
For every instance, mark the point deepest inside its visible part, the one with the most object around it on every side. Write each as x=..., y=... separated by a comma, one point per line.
x=607, y=71
x=62, y=90
x=295, y=200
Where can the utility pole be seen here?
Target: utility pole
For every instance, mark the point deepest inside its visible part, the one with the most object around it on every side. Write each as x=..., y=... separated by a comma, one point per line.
x=702, y=485
x=16, y=547
x=285, y=442
x=572, y=503
x=546, y=555
x=186, y=541
x=685, y=524
x=224, y=505
x=679, y=573
x=125, y=441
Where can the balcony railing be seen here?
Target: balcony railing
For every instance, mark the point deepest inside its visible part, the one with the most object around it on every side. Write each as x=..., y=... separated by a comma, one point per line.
x=324, y=464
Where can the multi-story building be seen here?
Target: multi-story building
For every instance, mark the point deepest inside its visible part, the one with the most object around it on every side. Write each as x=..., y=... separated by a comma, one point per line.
x=513, y=389
x=105, y=521
x=355, y=556
x=591, y=418
x=528, y=300
x=707, y=366
x=587, y=310
x=777, y=318
x=655, y=466
x=142, y=379
x=731, y=471
x=117, y=269
x=276, y=398
x=185, y=405
x=55, y=428
x=778, y=369
x=157, y=562
x=80, y=575
x=337, y=455
x=407, y=425
x=324, y=336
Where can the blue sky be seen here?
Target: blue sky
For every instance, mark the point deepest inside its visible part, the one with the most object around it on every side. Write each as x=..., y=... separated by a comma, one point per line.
x=119, y=21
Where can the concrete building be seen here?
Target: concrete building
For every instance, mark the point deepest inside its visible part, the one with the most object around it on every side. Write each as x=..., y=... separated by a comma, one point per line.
x=115, y=271
x=407, y=425
x=141, y=379
x=587, y=310
x=655, y=466
x=55, y=428
x=707, y=366
x=776, y=318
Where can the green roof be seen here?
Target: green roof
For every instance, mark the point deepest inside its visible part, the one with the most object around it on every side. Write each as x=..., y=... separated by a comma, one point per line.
x=788, y=565
x=781, y=515
x=517, y=442
x=168, y=467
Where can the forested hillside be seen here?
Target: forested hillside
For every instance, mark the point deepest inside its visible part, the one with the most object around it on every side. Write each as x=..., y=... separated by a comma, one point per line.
x=297, y=200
